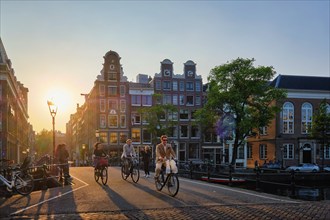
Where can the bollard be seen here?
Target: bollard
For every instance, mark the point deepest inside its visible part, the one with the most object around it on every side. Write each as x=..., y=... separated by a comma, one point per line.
x=293, y=187
x=257, y=178
x=191, y=169
x=230, y=175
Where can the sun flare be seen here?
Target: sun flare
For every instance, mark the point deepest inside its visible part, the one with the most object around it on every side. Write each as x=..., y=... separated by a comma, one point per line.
x=61, y=98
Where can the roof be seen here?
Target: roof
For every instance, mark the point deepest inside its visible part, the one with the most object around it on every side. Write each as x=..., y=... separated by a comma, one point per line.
x=302, y=82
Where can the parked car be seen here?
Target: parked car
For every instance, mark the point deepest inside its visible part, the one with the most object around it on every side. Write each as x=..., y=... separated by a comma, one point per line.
x=326, y=169
x=305, y=167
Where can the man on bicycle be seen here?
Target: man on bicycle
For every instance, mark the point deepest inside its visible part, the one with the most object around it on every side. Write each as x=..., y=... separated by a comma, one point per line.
x=165, y=155
x=128, y=155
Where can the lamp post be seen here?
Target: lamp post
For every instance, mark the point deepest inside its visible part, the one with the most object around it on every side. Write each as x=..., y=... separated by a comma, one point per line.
x=53, y=110
x=282, y=152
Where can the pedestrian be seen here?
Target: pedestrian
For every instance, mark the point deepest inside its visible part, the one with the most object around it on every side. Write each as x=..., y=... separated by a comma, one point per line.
x=62, y=155
x=146, y=155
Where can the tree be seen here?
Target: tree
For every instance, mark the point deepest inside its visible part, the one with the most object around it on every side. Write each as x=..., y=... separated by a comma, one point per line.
x=44, y=141
x=241, y=91
x=320, y=128
x=159, y=120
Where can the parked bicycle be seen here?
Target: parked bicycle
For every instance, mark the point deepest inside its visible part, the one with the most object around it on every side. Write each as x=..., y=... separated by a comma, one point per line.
x=132, y=170
x=101, y=169
x=18, y=179
x=171, y=181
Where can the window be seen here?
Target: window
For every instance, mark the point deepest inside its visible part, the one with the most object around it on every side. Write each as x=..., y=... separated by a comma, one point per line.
x=193, y=151
x=123, y=136
x=328, y=109
x=103, y=123
x=113, y=121
x=198, y=86
x=102, y=105
x=173, y=116
x=146, y=100
x=181, y=86
x=123, y=121
x=184, y=131
x=175, y=85
x=287, y=118
x=104, y=137
x=135, y=135
x=249, y=151
x=136, y=119
x=113, y=138
x=112, y=104
x=183, y=114
x=146, y=136
x=240, y=152
x=306, y=117
x=173, y=132
x=175, y=100
x=288, y=150
x=198, y=100
x=190, y=86
x=112, y=90
x=158, y=85
x=112, y=76
x=195, y=131
x=102, y=90
x=181, y=99
x=190, y=100
x=263, y=151
x=263, y=130
x=122, y=91
x=166, y=85
x=136, y=100
x=167, y=99
x=122, y=106
x=327, y=152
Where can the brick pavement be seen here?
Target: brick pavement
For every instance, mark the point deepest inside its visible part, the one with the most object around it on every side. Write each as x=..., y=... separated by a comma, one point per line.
x=305, y=210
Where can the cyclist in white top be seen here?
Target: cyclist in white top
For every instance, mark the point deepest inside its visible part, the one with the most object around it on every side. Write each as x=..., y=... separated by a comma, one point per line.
x=128, y=155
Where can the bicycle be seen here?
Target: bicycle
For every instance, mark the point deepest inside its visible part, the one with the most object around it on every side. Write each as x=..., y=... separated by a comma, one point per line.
x=101, y=169
x=19, y=180
x=133, y=171
x=171, y=181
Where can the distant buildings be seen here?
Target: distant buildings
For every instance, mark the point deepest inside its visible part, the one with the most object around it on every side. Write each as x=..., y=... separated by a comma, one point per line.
x=16, y=134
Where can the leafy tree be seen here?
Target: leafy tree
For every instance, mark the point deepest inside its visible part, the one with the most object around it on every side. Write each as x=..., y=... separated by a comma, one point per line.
x=241, y=91
x=44, y=141
x=320, y=128
x=158, y=122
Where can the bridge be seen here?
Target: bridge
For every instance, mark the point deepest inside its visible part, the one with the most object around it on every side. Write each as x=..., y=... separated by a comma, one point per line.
x=83, y=198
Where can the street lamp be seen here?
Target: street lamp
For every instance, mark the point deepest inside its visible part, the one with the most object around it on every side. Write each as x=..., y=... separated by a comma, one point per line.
x=282, y=155
x=53, y=109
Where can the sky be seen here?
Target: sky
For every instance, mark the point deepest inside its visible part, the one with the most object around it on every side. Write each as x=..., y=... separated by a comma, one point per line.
x=57, y=47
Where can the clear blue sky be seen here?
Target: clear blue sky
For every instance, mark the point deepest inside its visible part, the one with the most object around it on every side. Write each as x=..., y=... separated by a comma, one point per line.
x=58, y=46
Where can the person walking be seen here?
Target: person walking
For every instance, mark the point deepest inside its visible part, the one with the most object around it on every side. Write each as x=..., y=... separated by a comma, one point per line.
x=146, y=155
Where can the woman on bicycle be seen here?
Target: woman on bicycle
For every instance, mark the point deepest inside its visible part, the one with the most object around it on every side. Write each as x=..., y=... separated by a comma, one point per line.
x=165, y=155
x=128, y=154
x=97, y=153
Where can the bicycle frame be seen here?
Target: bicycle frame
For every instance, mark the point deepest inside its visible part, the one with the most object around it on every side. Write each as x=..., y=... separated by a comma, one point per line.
x=8, y=183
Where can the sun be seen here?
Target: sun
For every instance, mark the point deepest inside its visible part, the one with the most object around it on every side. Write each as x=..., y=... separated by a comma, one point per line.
x=61, y=98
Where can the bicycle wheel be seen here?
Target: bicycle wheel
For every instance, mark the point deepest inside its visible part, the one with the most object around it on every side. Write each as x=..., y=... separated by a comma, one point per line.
x=123, y=174
x=159, y=182
x=104, y=175
x=24, y=183
x=97, y=174
x=173, y=184
x=135, y=174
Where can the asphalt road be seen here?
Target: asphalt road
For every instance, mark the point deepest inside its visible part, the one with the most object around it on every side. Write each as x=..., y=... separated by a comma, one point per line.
x=120, y=199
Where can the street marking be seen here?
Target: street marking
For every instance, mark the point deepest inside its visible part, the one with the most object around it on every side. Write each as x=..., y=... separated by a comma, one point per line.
x=52, y=198
x=239, y=191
